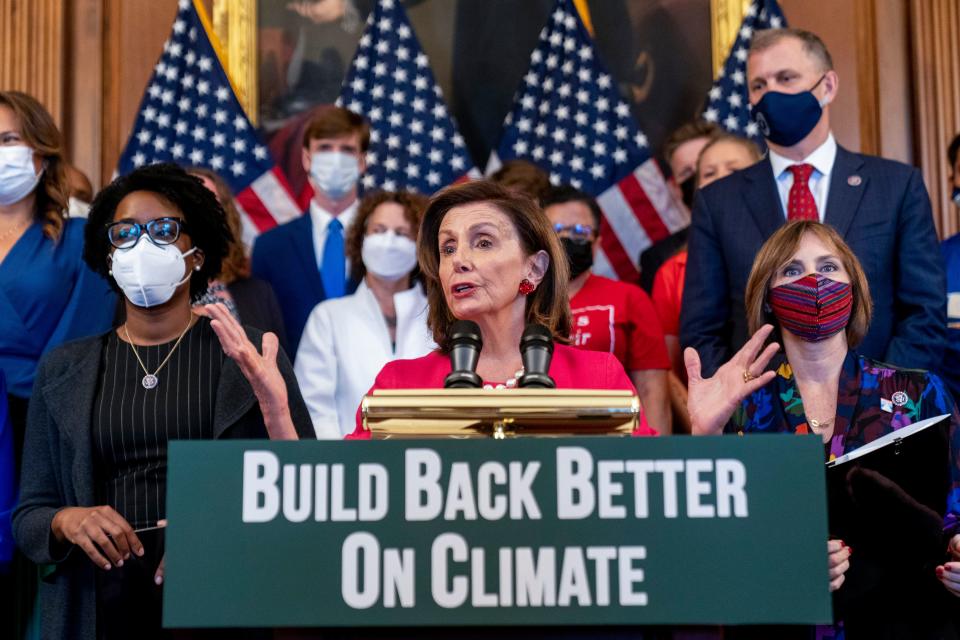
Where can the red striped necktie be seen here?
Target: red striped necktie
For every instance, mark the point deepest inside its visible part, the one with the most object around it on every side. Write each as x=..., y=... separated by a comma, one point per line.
x=801, y=205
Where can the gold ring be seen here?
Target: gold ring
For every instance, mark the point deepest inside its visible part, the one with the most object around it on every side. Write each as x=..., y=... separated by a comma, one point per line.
x=747, y=376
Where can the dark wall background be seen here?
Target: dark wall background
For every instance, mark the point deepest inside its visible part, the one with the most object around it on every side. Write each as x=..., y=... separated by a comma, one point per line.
x=658, y=51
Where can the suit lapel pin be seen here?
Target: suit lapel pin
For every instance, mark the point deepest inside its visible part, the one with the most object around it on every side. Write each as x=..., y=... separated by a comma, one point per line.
x=854, y=180
x=899, y=398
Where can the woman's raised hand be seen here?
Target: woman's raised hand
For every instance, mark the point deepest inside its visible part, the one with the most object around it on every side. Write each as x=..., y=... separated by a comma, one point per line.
x=259, y=369
x=711, y=401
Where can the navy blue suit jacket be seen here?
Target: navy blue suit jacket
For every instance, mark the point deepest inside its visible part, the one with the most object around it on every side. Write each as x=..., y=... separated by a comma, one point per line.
x=284, y=257
x=885, y=217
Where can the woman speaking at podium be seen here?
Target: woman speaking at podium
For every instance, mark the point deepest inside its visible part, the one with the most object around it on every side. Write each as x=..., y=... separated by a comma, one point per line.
x=808, y=291
x=490, y=256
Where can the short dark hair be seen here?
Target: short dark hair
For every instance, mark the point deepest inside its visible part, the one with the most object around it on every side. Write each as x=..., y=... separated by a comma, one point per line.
x=687, y=132
x=812, y=44
x=548, y=305
x=566, y=193
x=413, y=205
x=523, y=176
x=330, y=121
x=952, y=151
x=204, y=217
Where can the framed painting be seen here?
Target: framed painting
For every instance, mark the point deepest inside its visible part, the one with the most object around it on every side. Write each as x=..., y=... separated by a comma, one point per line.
x=287, y=57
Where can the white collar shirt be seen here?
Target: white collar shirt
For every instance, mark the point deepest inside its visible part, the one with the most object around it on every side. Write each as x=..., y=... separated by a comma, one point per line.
x=822, y=158
x=320, y=219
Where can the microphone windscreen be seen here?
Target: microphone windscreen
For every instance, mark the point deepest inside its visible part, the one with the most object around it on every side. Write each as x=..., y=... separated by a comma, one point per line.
x=466, y=332
x=536, y=335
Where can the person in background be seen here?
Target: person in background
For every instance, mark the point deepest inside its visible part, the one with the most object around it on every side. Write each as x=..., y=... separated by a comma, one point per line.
x=47, y=295
x=81, y=192
x=808, y=292
x=251, y=300
x=348, y=340
x=680, y=151
x=951, y=258
x=878, y=206
x=304, y=259
x=8, y=485
x=523, y=176
x=106, y=408
x=610, y=315
x=721, y=156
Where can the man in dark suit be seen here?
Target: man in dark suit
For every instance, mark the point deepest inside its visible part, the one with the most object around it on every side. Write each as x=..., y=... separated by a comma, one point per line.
x=304, y=259
x=880, y=207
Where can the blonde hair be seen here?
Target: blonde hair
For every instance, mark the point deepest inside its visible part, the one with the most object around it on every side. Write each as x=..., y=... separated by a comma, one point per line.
x=779, y=249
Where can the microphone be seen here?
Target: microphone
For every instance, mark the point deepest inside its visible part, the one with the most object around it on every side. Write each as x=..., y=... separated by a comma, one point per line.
x=464, y=354
x=536, y=350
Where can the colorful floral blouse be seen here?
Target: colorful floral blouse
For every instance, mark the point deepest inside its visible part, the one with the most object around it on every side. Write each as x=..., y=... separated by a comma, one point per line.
x=874, y=399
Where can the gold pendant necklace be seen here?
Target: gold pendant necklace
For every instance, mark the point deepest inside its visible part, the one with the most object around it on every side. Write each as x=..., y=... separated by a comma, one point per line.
x=150, y=380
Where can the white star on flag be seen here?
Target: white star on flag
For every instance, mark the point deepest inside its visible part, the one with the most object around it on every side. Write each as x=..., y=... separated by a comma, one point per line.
x=417, y=141
x=728, y=101
x=599, y=150
x=175, y=125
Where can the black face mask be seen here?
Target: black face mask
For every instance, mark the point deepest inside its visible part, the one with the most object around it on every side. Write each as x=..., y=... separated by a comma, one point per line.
x=687, y=189
x=579, y=256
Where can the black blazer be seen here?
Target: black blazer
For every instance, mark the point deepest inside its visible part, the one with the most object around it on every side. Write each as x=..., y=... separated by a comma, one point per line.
x=879, y=207
x=58, y=468
x=258, y=308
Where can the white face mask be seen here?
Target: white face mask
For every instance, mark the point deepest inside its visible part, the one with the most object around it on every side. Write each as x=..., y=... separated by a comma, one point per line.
x=388, y=255
x=149, y=274
x=18, y=178
x=334, y=172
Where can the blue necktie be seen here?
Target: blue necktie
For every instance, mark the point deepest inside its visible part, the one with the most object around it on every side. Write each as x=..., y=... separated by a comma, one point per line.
x=333, y=267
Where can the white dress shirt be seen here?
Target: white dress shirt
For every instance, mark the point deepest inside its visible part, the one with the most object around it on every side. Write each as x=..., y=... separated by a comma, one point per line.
x=345, y=344
x=320, y=218
x=822, y=160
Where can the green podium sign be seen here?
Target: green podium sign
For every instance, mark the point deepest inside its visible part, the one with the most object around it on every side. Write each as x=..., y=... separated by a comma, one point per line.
x=552, y=531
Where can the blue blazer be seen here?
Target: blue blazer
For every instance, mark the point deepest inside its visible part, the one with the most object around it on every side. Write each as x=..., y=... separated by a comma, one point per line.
x=284, y=257
x=884, y=216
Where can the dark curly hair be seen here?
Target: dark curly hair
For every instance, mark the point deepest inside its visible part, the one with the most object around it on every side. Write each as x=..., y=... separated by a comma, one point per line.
x=205, y=220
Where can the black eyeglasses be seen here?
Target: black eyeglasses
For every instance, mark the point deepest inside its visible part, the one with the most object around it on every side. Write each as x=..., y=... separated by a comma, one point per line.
x=161, y=231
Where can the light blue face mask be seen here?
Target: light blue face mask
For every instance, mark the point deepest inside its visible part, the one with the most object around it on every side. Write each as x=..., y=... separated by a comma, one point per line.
x=334, y=172
x=18, y=178
x=956, y=196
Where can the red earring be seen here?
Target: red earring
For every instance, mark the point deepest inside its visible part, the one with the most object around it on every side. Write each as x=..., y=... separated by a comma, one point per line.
x=526, y=287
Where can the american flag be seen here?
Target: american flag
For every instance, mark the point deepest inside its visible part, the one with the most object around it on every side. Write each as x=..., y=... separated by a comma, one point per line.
x=727, y=102
x=414, y=142
x=569, y=119
x=190, y=115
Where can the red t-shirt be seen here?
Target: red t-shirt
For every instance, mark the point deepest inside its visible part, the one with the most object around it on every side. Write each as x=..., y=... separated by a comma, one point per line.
x=668, y=292
x=618, y=317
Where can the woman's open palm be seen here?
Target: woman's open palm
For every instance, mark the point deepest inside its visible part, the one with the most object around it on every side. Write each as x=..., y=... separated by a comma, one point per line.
x=711, y=401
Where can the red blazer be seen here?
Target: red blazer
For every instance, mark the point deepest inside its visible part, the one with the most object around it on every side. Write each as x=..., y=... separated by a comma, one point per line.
x=570, y=368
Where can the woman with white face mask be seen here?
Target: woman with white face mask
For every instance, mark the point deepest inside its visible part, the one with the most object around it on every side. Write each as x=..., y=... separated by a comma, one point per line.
x=47, y=294
x=105, y=408
x=348, y=340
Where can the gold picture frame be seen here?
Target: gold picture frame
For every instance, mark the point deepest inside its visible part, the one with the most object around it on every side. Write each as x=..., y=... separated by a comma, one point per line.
x=235, y=24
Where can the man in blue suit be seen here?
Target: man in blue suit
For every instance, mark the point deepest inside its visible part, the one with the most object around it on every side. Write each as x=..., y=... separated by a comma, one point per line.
x=304, y=259
x=880, y=207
